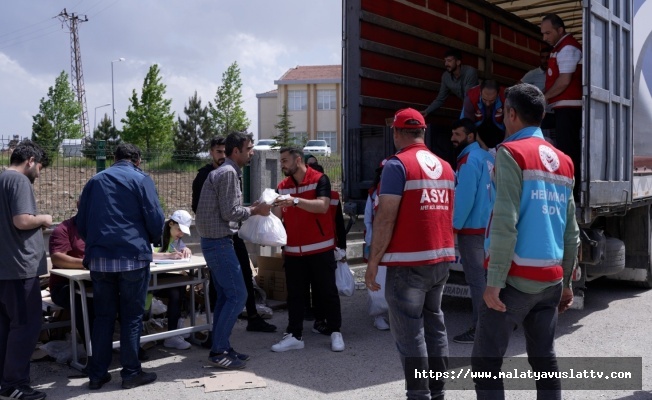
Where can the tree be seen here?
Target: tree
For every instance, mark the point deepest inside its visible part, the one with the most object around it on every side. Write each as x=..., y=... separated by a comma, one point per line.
x=61, y=110
x=284, y=138
x=43, y=134
x=190, y=133
x=227, y=113
x=104, y=131
x=149, y=123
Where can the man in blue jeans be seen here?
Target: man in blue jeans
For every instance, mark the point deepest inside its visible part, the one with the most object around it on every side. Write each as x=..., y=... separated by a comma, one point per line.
x=119, y=217
x=219, y=213
x=413, y=236
x=474, y=198
x=533, y=239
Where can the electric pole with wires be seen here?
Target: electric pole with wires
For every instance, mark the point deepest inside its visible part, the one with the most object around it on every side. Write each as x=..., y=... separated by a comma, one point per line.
x=72, y=21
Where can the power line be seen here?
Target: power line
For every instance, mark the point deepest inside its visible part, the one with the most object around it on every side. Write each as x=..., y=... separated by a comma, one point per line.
x=25, y=27
x=2, y=47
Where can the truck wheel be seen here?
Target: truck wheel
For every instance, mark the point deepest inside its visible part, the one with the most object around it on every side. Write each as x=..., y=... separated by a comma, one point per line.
x=614, y=260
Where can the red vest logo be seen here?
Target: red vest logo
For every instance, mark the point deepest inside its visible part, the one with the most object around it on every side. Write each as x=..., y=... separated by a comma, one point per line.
x=549, y=158
x=430, y=164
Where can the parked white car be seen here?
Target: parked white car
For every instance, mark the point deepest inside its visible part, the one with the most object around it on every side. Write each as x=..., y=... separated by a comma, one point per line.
x=317, y=148
x=264, y=144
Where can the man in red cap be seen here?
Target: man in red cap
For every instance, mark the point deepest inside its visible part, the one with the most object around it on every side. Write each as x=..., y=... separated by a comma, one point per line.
x=413, y=237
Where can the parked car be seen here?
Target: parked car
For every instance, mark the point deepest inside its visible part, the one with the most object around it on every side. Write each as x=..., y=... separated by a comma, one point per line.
x=318, y=148
x=264, y=144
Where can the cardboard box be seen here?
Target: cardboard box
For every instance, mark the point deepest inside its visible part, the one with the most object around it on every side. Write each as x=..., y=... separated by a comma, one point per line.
x=271, y=277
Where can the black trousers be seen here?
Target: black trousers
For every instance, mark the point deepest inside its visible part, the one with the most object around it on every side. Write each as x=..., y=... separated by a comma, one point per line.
x=568, y=123
x=243, y=258
x=319, y=269
x=20, y=325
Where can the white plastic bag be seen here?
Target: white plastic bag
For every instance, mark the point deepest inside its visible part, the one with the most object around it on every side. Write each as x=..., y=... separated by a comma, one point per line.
x=61, y=350
x=268, y=196
x=264, y=230
x=343, y=275
x=377, y=303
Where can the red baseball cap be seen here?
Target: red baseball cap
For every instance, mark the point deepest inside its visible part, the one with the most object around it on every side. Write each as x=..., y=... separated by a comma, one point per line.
x=408, y=118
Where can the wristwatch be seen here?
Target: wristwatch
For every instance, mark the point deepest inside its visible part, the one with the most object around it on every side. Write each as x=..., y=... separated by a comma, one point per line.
x=295, y=202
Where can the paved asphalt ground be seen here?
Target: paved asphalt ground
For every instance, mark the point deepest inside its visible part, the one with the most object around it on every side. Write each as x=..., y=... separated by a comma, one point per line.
x=616, y=322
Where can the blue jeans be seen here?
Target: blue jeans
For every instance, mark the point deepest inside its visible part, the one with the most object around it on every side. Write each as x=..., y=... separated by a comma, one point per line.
x=416, y=321
x=472, y=252
x=113, y=292
x=226, y=276
x=538, y=315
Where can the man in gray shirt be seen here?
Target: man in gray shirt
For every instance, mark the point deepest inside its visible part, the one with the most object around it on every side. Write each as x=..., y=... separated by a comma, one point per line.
x=219, y=213
x=23, y=260
x=459, y=79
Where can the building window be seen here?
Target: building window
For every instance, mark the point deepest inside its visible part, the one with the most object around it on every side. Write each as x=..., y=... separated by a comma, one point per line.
x=300, y=138
x=326, y=100
x=297, y=100
x=330, y=138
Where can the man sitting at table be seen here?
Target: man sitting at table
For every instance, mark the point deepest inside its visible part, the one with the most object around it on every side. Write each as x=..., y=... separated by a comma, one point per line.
x=67, y=252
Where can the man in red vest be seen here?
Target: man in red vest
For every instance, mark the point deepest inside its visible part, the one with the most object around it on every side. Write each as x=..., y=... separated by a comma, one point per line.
x=533, y=239
x=308, y=255
x=564, y=88
x=413, y=236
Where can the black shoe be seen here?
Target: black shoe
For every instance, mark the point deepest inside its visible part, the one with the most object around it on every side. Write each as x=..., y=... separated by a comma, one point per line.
x=467, y=337
x=142, y=354
x=97, y=385
x=23, y=392
x=258, y=324
x=142, y=378
x=321, y=327
x=239, y=356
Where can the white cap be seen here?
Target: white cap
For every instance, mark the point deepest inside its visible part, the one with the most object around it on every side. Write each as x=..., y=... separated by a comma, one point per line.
x=183, y=218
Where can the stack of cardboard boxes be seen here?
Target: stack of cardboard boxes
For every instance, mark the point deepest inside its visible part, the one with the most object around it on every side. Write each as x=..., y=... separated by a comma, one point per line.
x=271, y=277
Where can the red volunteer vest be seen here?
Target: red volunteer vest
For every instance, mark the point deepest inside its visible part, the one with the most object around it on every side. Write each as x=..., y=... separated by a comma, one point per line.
x=572, y=95
x=308, y=233
x=423, y=233
x=475, y=95
x=526, y=154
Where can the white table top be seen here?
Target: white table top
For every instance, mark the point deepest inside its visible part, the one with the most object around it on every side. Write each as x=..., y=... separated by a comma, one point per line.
x=85, y=275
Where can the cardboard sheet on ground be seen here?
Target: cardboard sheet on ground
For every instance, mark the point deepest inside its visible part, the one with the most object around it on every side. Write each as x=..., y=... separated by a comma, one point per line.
x=230, y=380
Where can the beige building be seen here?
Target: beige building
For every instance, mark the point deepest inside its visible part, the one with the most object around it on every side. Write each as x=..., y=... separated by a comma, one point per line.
x=312, y=94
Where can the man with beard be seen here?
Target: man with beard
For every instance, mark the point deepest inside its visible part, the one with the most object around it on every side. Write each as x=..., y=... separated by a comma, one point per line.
x=474, y=196
x=484, y=105
x=308, y=255
x=23, y=261
x=219, y=213
x=255, y=321
x=458, y=79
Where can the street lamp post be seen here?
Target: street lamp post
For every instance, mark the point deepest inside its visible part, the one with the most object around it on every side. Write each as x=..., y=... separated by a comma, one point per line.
x=95, y=118
x=112, y=95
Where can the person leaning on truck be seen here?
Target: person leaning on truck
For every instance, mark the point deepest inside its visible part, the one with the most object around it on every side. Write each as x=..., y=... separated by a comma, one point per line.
x=563, y=90
x=459, y=79
x=413, y=237
x=533, y=239
x=474, y=199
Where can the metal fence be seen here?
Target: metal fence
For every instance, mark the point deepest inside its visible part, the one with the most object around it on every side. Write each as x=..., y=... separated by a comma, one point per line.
x=60, y=184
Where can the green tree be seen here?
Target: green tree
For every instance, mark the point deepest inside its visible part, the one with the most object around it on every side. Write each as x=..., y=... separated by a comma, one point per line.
x=227, y=113
x=284, y=138
x=190, y=133
x=149, y=123
x=43, y=134
x=103, y=131
x=61, y=110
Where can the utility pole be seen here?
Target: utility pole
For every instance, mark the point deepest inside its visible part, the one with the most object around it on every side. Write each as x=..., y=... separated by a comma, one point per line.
x=72, y=21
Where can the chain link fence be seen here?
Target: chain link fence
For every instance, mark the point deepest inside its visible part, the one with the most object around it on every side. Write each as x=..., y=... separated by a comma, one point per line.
x=60, y=184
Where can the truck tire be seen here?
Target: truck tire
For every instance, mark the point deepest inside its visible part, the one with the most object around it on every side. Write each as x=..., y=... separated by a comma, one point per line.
x=614, y=260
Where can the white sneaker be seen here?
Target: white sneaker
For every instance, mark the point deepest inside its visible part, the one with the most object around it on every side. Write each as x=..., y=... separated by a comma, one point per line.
x=337, y=342
x=288, y=342
x=381, y=323
x=176, y=342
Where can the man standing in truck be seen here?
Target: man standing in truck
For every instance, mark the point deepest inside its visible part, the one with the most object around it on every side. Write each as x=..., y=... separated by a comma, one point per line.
x=533, y=238
x=563, y=89
x=457, y=79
